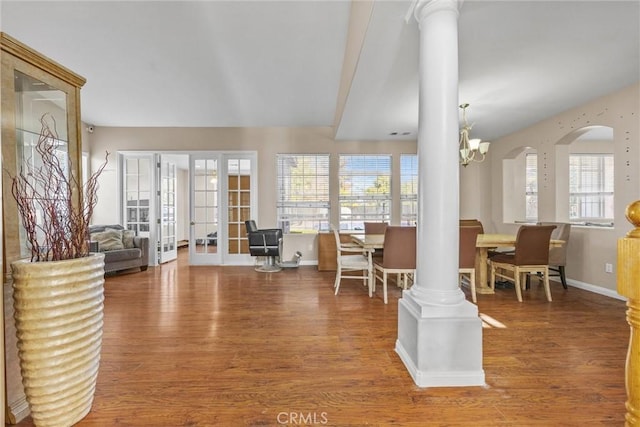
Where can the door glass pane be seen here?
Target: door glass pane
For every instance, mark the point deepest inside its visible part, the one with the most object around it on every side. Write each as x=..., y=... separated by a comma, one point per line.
x=137, y=190
x=167, y=210
x=132, y=167
x=239, y=200
x=40, y=105
x=205, y=200
x=144, y=175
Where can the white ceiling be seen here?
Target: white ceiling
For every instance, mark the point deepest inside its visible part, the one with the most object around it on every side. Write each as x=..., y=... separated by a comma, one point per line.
x=279, y=63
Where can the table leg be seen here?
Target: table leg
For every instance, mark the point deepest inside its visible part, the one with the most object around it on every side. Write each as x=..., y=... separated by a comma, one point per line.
x=372, y=275
x=482, y=286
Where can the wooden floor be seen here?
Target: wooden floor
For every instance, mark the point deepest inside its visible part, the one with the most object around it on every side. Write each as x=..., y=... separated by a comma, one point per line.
x=228, y=346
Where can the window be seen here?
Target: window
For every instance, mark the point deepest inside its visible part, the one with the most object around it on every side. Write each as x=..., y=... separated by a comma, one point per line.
x=303, y=192
x=531, y=187
x=365, y=190
x=409, y=189
x=591, y=187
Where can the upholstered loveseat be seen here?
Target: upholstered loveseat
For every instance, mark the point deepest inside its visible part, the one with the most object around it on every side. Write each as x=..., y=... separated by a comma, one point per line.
x=122, y=248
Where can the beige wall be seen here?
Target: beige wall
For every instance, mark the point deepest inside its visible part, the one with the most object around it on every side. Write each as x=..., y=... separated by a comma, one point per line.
x=481, y=184
x=589, y=248
x=266, y=141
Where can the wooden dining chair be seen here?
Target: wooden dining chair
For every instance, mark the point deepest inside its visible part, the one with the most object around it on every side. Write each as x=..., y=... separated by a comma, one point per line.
x=531, y=255
x=558, y=254
x=399, y=257
x=467, y=255
x=352, y=259
x=472, y=223
x=375, y=228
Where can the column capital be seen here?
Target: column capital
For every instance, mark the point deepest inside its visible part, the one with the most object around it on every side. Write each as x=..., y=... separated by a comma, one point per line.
x=424, y=8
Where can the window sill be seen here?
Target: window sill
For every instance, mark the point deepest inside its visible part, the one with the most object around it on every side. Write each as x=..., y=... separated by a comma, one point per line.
x=596, y=225
x=580, y=224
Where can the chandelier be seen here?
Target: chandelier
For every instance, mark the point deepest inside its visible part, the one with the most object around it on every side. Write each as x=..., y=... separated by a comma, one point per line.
x=470, y=149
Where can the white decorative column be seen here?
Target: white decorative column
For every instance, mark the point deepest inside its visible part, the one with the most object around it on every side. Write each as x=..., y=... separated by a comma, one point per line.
x=439, y=331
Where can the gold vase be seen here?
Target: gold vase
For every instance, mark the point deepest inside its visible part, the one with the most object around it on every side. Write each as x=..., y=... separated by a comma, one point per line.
x=59, y=317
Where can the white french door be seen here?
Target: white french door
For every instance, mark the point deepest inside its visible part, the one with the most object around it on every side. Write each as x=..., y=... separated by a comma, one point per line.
x=167, y=209
x=137, y=181
x=222, y=199
x=204, y=182
x=240, y=182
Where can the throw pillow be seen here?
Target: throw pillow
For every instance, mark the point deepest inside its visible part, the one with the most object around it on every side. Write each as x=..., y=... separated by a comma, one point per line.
x=127, y=238
x=108, y=240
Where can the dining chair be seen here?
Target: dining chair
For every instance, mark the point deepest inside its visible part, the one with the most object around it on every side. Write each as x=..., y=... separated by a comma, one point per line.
x=399, y=257
x=467, y=255
x=351, y=259
x=375, y=228
x=472, y=223
x=558, y=254
x=531, y=255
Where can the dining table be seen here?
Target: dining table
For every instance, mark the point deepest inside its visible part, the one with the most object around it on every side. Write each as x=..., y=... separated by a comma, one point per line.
x=484, y=242
x=369, y=241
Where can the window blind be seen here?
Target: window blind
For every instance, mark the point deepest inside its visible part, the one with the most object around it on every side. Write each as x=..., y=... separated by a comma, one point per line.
x=365, y=190
x=303, y=192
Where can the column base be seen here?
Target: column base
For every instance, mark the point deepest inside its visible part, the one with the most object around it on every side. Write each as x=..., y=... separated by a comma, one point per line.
x=441, y=346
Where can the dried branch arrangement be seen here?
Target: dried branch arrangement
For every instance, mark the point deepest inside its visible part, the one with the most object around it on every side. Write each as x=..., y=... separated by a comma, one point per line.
x=56, y=226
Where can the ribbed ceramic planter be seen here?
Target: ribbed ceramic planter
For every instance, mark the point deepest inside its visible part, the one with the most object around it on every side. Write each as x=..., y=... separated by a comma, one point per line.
x=59, y=316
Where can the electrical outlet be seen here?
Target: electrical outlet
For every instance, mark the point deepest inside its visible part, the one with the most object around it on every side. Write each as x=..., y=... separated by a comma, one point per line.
x=608, y=268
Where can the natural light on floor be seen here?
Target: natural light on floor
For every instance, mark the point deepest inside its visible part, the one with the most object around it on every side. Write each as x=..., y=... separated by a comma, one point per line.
x=490, y=322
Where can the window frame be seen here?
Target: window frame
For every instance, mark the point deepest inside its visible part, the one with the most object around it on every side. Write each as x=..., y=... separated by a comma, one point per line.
x=531, y=187
x=408, y=189
x=603, y=188
x=374, y=201
x=320, y=201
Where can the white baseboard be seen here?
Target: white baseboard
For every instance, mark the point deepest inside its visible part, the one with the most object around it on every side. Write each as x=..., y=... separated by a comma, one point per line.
x=595, y=289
